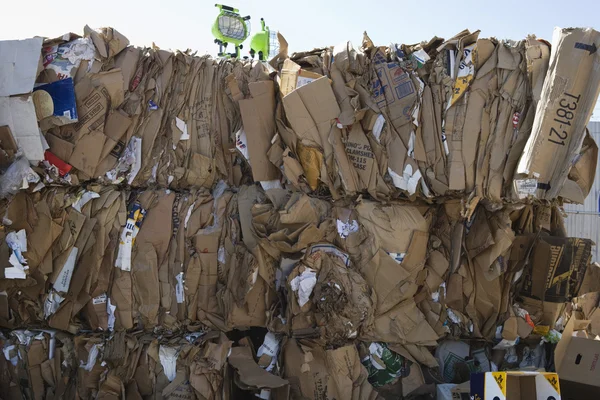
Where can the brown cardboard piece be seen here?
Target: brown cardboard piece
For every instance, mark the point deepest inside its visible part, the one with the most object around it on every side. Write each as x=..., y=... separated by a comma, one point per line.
x=568, y=97
x=86, y=153
x=113, y=82
x=576, y=359
x=258, y=116
x=490, y=237
x=92, y=111
x=8, y=146
x=315, y=373
x=250, y=373
x=581, y=177
x=360, y=154
x=127, y=61
x=311, y=111
x=393, y=90
x=108, y=41
x=59, y=147
x=293, y=77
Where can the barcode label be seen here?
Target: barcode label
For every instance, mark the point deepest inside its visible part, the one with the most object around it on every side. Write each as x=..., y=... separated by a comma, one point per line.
x=100, y=299
x=526, y=187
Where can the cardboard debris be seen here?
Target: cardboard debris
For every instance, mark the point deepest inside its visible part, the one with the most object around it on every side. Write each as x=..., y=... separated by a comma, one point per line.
x=338, y=224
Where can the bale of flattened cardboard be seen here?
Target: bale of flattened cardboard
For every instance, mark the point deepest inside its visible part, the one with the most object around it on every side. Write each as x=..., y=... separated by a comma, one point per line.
x=435, y=119
x=144, y=366
x=101, y=258
x=38, y=364
x=455, y=114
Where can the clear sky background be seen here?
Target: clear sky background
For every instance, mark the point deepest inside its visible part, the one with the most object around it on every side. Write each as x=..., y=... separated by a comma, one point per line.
x=181, y=24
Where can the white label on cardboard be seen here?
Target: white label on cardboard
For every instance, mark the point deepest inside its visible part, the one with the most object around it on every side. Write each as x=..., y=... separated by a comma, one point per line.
x=303, y=81
x=346, y=228
x=188, y=215
x=102, y=299
x=526, y=187
x=182, y=126
x=274, y=184
x=63, y=281
x=420, y=56
x=398, y=257
x=123, y=260
x=241, y=143
x=179, y=288
x=378, y=127
x=110, y=310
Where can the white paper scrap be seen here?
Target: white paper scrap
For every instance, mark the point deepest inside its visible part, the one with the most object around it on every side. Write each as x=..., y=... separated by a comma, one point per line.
x=179, y=293
x=63, y=281
x=168, y=360
x=303, y=284
x=182, y=126
x=270, y=347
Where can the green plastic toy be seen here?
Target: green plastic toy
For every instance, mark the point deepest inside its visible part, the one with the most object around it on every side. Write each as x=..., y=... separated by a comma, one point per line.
x=230, y=27
x=264, y=43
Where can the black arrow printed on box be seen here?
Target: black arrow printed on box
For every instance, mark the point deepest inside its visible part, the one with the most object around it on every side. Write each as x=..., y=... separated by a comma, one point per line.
x=589, y=47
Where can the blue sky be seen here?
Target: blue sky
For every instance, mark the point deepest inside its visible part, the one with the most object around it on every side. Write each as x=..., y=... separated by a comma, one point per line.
x=181, y=24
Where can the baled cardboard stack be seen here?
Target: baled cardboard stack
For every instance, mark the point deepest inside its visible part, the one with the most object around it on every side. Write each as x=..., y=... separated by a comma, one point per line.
x=312, y=227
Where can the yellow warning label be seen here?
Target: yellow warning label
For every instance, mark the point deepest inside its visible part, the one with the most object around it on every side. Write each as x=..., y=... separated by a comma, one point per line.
x=500, y=378
x=553, y=380
x=466, y=73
